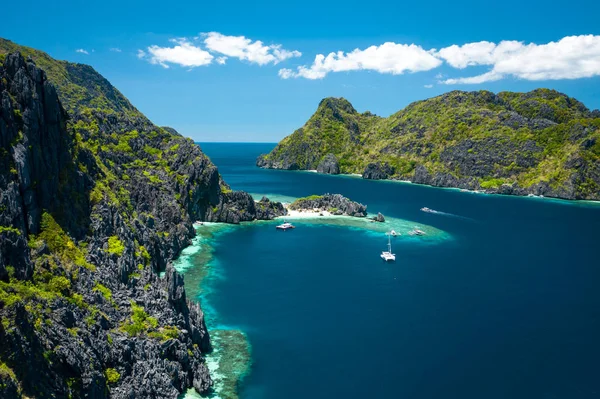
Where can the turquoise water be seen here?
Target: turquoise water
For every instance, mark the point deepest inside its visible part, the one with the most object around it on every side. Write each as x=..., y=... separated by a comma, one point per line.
x=502, y=301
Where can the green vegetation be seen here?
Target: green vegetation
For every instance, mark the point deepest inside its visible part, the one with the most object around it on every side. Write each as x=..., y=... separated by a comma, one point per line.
x=78, y=85
x=59, y=243
x=105, y=291
x=310, y=198
x=165, y=333
x=112, y=376
x=139, y=323
x=115, y=246
x=9, y=229
x=59, y=284
x=143, y=252
x=7, y=372
x=508, y=138
x=492, y=183
x=300, y=201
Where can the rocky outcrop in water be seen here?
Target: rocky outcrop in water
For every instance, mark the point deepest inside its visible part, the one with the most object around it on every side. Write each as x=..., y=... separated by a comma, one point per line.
x=238, y=206
x=379, y=218
x=336, y=204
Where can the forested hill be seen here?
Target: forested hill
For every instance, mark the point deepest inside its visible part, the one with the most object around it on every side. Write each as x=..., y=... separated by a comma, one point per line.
x=541, y=142
x=95, y=203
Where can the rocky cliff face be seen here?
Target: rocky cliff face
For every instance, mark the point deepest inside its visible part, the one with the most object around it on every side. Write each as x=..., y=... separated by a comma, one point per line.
x=337, y=204
x=94, y=204
x=329, y=165
x=542, y=142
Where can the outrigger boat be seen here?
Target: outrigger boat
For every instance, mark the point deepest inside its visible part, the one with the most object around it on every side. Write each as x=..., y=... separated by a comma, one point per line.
x=388, y=255
x=285, y=226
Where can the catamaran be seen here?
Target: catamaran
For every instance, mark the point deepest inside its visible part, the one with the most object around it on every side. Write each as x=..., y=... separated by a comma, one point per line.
x=285, y=226
x=388, y=255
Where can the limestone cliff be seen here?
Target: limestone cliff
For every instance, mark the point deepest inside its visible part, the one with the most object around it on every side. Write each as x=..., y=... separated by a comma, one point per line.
x=95, y=202
x=542, y=142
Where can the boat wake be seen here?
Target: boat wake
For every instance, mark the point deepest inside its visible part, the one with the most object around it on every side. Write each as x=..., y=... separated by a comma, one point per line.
x=433, y=211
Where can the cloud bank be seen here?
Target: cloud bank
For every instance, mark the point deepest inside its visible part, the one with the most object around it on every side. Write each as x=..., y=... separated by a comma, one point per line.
x=572, y=57
x=387, y=58
x=214, y=47
x=183, y=53
x=245, y=49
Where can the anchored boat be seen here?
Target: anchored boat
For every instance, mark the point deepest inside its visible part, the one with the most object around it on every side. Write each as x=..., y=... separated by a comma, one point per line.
x=285, y=226
x=388, y=255
x=416, y=232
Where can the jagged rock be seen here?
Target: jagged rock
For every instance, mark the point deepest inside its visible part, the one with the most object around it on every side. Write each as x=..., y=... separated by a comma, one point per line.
x=9, y=387
x=329, y=165
x=238, y=206
x=377, y=171
x=287, y=164
x=379, y=218
x=334, y=203
x=138, y=221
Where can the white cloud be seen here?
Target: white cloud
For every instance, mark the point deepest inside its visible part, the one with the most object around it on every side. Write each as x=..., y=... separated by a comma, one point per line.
x=115, y=49
x=82, y=51
x=572, y=57
x=183, y=53
x=246, y=49
x=428, y=86
x=285, y=73
x=387, y=58
x=468, y=54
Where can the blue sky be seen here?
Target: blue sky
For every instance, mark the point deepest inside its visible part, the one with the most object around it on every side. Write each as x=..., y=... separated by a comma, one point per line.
x=253, y=91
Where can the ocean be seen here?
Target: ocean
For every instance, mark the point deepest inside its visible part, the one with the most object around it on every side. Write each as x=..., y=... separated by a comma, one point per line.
x=500, y=300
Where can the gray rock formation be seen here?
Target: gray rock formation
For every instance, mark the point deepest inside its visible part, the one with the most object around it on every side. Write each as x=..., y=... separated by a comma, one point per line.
x=334, y=203
x=238, y=206
x=329, y=165
x=378, y=171
x=379, y=218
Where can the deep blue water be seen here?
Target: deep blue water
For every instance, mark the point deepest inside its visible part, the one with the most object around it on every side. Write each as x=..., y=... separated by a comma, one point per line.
x=509, y=307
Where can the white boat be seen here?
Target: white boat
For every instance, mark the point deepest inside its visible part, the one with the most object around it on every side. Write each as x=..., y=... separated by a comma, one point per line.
x=285, y=226
x=388, y=255
x=416, y=232
x=394, y=233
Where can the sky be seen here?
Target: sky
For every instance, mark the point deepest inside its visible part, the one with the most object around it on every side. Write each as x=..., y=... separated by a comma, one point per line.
x=256, y=71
